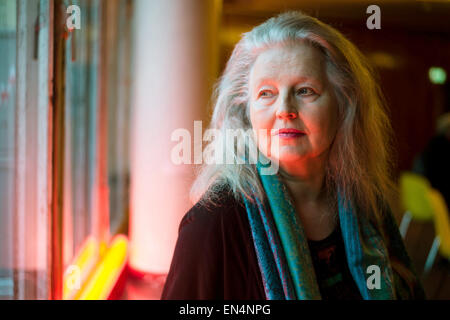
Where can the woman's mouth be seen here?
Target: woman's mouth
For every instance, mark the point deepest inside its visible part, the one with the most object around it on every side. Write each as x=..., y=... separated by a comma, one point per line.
x=289, y=133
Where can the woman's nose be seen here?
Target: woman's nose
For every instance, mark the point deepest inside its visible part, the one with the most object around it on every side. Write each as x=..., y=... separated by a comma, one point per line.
x=286, y=110
x=286, y=115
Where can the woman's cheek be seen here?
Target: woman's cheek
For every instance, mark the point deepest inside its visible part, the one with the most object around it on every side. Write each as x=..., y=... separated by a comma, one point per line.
x=322, y=125
x=262, y=123
x=261, y=118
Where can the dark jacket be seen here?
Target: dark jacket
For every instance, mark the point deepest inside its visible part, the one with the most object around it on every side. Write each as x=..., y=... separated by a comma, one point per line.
x=214, y=255
x=215, y=258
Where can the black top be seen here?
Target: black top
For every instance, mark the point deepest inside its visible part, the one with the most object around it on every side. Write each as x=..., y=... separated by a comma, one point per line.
x=214, y=258
x=330, y=264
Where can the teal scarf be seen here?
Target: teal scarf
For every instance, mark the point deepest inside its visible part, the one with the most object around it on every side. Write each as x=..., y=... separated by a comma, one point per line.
x=285, y=261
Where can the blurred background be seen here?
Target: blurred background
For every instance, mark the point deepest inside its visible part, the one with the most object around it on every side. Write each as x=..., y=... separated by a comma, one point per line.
x=91, y=92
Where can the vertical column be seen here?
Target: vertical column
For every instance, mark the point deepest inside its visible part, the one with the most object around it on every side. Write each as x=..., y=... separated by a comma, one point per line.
x=20, y=152
x=58, y=143
x=175, y=54
x=101, y=188
x=32, y=177
x=44, y=140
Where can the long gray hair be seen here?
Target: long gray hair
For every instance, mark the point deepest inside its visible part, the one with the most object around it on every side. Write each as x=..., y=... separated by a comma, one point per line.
x=360, y=158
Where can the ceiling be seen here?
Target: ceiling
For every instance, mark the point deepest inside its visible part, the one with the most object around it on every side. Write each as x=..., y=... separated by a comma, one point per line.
x=410, y=15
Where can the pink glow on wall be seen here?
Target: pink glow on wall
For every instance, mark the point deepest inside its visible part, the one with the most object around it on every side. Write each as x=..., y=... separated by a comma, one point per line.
x=171, y=91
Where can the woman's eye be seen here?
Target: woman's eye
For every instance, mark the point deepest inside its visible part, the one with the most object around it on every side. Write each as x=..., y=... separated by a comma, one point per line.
x=265, y=94
x=305, y=91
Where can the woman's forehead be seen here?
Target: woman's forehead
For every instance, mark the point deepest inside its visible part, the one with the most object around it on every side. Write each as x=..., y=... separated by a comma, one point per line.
x=299, y=60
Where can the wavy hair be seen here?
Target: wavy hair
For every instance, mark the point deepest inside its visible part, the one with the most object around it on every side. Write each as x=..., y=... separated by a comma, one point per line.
x=360, y=160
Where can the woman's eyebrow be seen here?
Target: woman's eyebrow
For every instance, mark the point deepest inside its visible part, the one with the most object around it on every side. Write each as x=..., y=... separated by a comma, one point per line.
x=265, y=80
x=306, y=79
x=297, y=80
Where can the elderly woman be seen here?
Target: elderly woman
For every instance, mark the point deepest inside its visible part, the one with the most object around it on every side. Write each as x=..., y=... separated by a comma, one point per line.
x=319, y=227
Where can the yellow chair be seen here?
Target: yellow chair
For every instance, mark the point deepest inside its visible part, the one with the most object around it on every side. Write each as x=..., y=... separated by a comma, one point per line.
x=414, y=196
x=441, y=219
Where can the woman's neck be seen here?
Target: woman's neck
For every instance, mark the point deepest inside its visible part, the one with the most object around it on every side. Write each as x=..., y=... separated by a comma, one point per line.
x=305, y=180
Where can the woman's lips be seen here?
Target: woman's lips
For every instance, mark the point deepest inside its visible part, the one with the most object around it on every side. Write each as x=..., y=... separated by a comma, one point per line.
x=289, y=133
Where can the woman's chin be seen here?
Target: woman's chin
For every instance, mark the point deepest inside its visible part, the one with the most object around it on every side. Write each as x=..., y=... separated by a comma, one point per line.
x=290, y=157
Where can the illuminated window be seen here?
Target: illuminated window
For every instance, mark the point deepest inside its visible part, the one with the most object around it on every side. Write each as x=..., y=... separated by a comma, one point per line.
x=24, y=149
x=64, y=110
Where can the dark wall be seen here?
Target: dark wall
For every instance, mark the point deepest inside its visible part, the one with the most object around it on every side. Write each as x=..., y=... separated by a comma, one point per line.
x=412, y=39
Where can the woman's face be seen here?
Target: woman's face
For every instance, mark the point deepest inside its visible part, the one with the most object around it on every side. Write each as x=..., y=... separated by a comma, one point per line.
x=291, y=98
